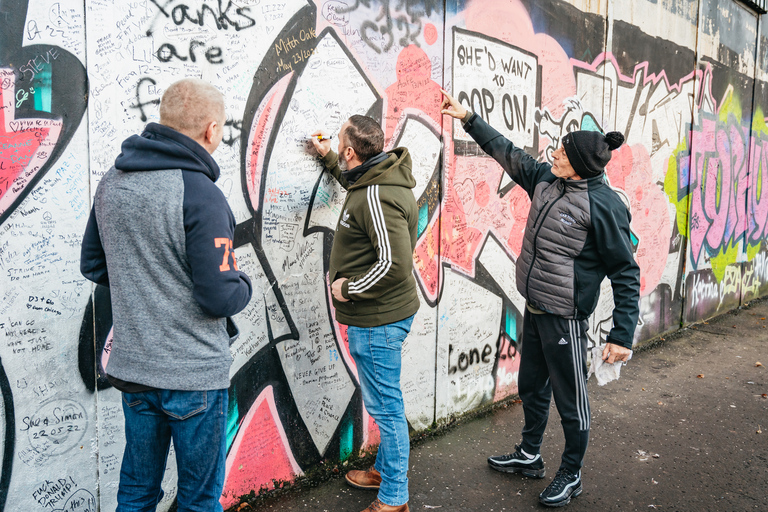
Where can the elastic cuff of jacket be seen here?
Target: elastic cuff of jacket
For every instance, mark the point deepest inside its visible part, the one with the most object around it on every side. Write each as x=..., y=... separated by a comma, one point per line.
x=468, y=119
x=345, y=290
x=619, y=343
x=330, y=158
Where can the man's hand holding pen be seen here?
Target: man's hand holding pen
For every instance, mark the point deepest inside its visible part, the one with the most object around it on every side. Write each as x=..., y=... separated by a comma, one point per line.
x=322, y=142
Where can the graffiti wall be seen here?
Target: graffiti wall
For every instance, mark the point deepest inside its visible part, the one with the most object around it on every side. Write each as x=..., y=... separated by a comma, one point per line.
x=685, y=82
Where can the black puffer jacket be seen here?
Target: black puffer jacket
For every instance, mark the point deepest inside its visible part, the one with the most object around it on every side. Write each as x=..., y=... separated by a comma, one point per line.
x=577, y=234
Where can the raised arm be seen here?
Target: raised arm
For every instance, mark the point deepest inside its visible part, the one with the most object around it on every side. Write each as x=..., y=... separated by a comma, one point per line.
x=519, y=165
x=330, y=159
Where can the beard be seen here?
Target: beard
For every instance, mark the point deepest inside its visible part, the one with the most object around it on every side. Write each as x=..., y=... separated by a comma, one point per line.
x=343, y=164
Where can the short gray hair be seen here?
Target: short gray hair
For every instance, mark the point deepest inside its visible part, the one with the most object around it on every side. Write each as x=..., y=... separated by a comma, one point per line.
x=189, y=105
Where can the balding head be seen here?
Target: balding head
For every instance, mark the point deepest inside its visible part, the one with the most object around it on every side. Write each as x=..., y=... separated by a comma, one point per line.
x=190, y=106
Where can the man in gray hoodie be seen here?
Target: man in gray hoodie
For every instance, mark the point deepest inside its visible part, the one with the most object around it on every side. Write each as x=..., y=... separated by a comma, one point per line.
x=160, y=236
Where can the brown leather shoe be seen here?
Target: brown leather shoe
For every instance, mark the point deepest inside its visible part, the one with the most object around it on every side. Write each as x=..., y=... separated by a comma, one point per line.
x=370, y=479
x=378, y=506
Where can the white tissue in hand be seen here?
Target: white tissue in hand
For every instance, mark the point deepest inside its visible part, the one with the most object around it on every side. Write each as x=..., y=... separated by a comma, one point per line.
x=604, y=372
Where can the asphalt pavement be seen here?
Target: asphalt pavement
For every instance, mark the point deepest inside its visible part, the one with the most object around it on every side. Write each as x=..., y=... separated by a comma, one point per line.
x=685, y=428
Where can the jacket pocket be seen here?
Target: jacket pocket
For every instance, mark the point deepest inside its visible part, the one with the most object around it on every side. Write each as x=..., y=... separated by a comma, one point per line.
x=133, y=400
x=184, y=404
x=346, y=308
x=332, y=272
x=397, y=332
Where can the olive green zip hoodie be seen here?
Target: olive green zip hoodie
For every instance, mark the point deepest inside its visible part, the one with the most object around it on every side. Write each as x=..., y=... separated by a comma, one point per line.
x=374, y=242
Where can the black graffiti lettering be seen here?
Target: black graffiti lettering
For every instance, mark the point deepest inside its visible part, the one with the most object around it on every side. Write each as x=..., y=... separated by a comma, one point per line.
x=53, y=31
x=220, y=14
x=465, y=360
x=364, y=28
x=388, y=30
x=488, y=101
x=213, y=55
x=514, y=116
x=516, y=67
x=224, y=21
x=477, y=106
x=470, y=56
x=506, y=108
x=32, y=31
x=167, y=52
x=240, y=11
x=487, y=351
x=139, y=104
x=464, y=99
x=415, y=34
x=192, y=45
x=402, y=24
x=520, y=113
x=480, y=101
x=508, y=349
x=409, y=25
x=179, y=14
x=160, y=8
x=235, y=129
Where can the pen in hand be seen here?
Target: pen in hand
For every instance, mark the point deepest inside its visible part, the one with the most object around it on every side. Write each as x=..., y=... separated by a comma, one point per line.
x=321, y=142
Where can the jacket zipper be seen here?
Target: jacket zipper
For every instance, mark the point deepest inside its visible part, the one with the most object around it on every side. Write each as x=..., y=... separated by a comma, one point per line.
x=575, y=292
x=536, y=235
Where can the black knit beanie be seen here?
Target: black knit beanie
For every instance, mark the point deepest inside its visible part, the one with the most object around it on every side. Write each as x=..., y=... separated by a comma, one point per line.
x=589, y=152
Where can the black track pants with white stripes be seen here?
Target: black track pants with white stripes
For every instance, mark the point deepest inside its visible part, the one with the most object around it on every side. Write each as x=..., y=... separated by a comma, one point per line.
x=553, y=359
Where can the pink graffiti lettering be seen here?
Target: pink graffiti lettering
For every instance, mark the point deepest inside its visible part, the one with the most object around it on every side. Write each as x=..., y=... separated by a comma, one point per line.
x=718, y=186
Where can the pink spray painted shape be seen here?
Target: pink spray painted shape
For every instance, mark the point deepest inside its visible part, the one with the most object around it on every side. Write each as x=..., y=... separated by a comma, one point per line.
x=25, y=144
x=260, y=454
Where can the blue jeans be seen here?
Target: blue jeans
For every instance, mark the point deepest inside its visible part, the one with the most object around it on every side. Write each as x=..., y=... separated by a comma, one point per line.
x=376, y=351
x=196, y=421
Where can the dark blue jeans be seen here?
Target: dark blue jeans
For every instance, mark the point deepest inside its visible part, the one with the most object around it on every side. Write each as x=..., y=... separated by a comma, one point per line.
x=196, y=421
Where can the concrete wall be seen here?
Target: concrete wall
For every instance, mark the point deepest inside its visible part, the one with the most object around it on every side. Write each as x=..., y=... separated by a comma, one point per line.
x=684, y=80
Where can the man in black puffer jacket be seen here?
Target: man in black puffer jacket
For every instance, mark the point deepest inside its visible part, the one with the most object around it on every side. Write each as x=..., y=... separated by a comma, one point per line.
x=577, y=234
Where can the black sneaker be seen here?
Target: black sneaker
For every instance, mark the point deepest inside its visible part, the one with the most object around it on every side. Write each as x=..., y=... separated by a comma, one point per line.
x=518, y=463
x=563, y=487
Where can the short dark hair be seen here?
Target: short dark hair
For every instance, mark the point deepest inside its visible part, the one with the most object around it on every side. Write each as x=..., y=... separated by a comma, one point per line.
x=365, y=136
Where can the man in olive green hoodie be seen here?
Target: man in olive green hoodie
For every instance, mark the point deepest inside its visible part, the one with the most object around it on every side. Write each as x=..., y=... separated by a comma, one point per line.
x=373, y=288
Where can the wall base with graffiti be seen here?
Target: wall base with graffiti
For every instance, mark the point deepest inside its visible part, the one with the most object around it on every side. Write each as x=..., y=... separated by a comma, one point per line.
x=686, y=82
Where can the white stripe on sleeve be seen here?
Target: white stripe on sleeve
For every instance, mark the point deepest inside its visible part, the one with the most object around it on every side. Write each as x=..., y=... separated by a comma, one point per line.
x=385, y=249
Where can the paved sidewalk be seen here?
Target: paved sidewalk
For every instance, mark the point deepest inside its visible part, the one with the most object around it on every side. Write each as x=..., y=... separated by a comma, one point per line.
x=684, y=429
